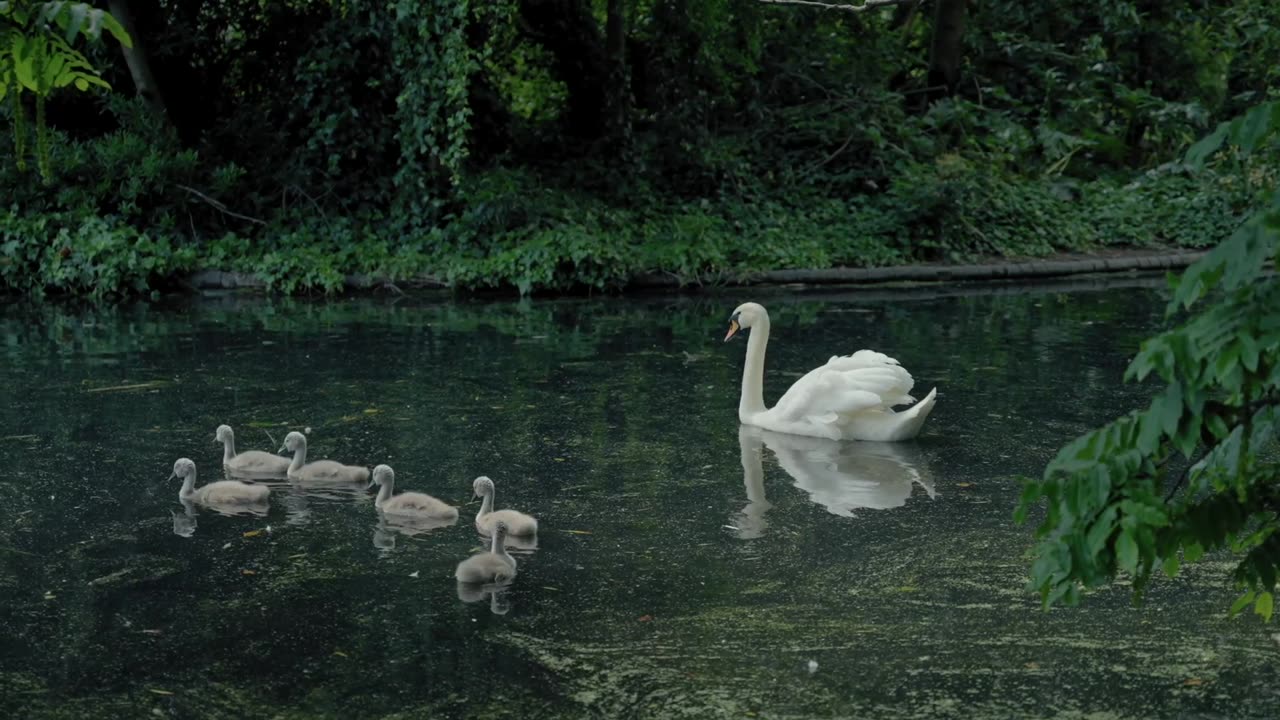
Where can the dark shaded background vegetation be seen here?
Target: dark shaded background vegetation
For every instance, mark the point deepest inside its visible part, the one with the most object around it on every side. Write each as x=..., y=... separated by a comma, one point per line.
x=562, y=143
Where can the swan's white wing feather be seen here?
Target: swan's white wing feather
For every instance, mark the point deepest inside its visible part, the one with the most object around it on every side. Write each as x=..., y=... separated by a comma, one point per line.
x=865, y=380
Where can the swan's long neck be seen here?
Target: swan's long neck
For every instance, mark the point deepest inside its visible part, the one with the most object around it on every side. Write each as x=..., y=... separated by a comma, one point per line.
x=228, y=447
x=499, y=547
x=486, y=505
x=188, y=486
x=299, y=458
x=752, y=400
x=384, y=492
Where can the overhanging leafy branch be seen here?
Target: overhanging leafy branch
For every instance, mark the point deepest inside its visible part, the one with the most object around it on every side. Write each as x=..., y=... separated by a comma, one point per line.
x=1106, y=511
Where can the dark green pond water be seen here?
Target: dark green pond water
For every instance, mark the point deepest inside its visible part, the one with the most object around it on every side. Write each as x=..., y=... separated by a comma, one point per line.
x=685, y=568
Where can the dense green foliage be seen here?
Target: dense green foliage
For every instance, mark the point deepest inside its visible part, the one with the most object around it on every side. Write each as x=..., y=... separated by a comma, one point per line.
x=555, y=143
x=1197, y=469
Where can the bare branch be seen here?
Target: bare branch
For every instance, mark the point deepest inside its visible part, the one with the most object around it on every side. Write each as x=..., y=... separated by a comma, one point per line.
x=865, y=6
x=219, y=206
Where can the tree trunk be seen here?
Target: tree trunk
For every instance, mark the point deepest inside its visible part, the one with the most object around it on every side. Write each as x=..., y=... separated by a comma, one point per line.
x=136, y=58
x=581, y=59
x=618, y=90
x=946, y=52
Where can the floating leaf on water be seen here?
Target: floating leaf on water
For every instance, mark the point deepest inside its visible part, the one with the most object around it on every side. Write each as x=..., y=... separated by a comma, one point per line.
x=645, y=618
x=253, y=533
x=964, y=484
x=298, y=556
x=558, y=459
x=578, y=532
x=158, y=691
x=248, y=572
x=339, y=653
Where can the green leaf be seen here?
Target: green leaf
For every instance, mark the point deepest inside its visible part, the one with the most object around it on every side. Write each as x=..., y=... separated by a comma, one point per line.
x=1206, y=146
x=1263, y=606
x=75, y=17
x=1127, y=551
x=1241, y=603
x=1171, y=566
x=1250, y=130
x=1192, y=552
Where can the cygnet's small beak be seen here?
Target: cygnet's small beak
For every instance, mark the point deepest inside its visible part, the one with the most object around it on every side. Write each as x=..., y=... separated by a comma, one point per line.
x=280, y=451
x=734, y=327
x=173, y=475
x=371, y=484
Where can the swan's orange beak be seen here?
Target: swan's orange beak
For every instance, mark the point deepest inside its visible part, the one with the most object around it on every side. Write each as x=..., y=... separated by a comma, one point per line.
x=733, y=329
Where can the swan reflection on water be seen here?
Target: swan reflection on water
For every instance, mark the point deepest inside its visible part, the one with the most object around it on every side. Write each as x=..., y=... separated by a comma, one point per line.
x=841, y=476
x=499, y=603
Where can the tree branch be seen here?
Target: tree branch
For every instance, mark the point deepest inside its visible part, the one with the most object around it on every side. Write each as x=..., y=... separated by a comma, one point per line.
x=865, y=6
x=219, y=206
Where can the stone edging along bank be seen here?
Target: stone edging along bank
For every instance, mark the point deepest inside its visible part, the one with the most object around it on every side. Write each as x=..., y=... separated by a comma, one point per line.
x=218, y=279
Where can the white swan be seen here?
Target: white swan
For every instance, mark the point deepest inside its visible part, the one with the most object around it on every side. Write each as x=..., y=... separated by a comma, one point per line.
x=489, y=567
x=517, y=523
x=226, y=496
x=846, y=476
x=250, y=463
x=320, y=470
x=407, y=504
x=850, y=398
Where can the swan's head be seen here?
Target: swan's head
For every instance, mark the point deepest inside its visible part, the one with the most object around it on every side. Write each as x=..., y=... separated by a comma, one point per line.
x=382, y=474
x=500, y=530
x=223, y=434
x=182, y=468
x=293, y=442
x=483, y=486
x=744, y=316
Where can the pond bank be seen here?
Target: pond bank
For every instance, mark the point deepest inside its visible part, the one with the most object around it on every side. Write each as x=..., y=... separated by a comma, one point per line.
x=1062, y=265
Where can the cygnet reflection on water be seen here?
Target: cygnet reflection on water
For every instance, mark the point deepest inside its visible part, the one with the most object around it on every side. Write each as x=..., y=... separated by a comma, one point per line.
x=841, y=476
x=389, y=526
x=184, y=522
x=298, y=499
x=499, y=602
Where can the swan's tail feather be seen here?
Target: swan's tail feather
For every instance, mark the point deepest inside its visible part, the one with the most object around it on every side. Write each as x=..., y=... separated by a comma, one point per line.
x=913, y=417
